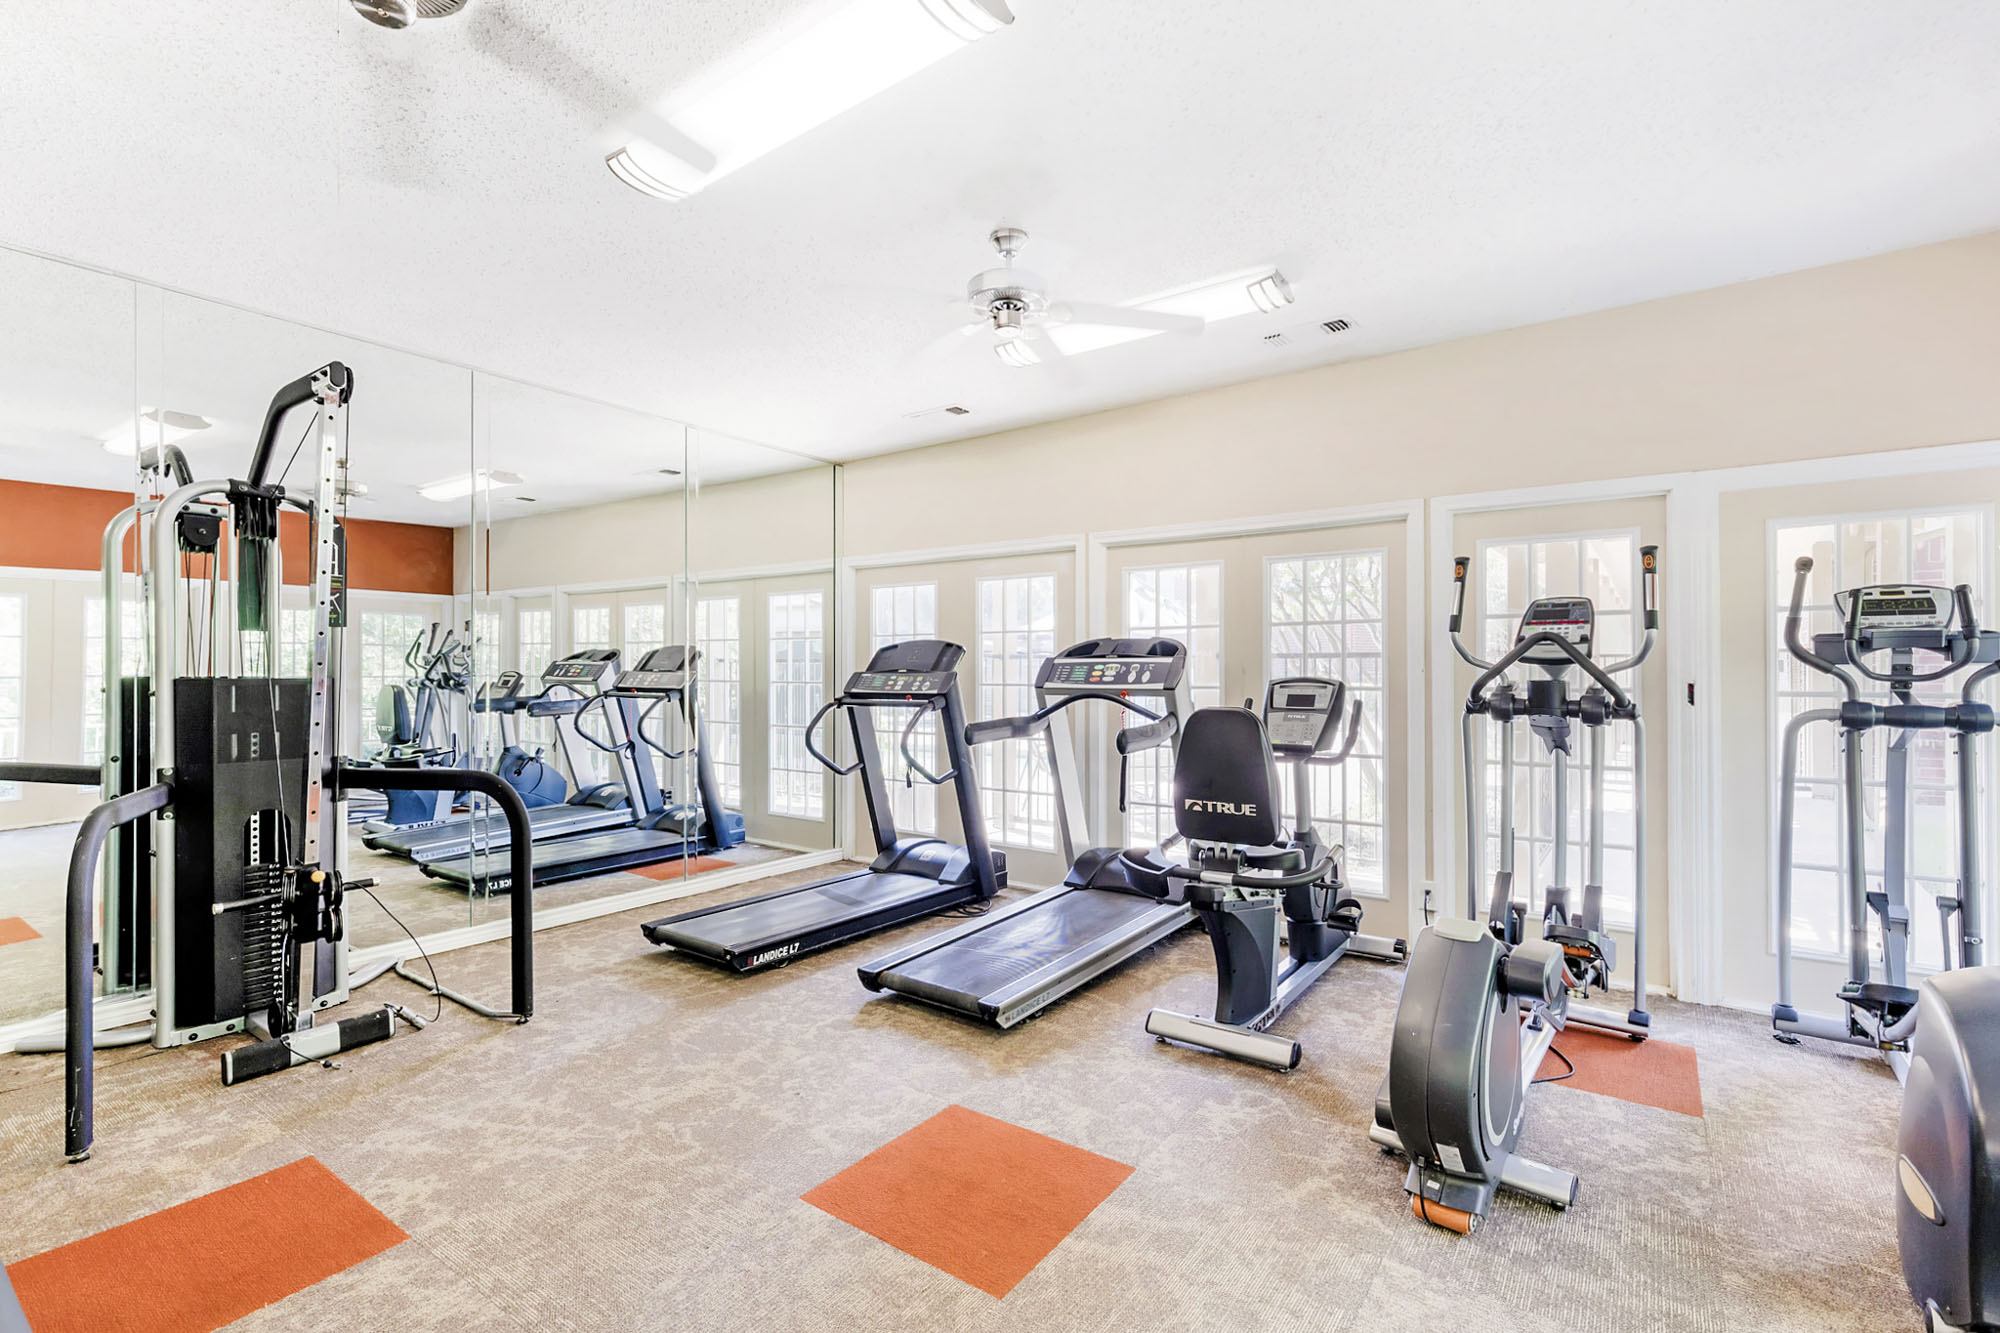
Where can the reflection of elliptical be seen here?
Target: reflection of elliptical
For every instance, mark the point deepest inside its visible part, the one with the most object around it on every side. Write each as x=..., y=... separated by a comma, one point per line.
x=1483, y=1001
x=1244, y=873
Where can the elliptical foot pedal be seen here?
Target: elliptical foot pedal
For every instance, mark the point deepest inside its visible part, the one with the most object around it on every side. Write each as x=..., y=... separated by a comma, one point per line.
x=1888, y=1003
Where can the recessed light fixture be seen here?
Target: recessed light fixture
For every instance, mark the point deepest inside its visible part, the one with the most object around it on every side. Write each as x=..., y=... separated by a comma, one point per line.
x=457, y=488
x=861, y=48
x=154, y=426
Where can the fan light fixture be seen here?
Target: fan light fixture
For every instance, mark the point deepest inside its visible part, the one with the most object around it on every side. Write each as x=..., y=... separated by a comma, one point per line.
x=154, y=426
x=457, y=488
x=1017, y=352
x=862, y=48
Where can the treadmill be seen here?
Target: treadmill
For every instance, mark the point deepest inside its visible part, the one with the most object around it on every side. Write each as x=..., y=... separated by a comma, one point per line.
x=664, y=676
x=572, y=685
x=910, y=877
x=1010, y=965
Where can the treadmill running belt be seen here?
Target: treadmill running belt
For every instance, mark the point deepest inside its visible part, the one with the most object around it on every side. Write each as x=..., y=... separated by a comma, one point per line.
x=564, y=858
x=736, y=927
x=987, y=961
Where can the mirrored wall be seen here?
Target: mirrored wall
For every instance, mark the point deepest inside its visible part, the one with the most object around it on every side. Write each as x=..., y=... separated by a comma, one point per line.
x=627, y=618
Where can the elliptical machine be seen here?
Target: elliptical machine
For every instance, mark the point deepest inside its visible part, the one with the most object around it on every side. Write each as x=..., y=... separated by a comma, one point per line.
x=1484, y=999
x=1245, y=875
x=1942, y=1039
x=1902, y=622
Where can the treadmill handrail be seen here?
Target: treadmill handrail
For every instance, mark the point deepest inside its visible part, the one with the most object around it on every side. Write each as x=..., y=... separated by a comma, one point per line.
x=916, y=765
x=1020, y=728
x=829, y=706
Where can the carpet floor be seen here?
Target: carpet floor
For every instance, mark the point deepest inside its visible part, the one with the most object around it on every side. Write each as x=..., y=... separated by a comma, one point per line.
x=634, y=1159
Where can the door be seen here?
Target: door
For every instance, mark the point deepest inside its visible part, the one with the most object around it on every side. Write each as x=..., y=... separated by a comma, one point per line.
x=1326, y=602
x=1519, y=555
x=1935, y=529
x=1010, y=614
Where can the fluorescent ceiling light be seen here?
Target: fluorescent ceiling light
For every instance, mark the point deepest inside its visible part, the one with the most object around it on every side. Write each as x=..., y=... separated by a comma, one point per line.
x=457, y=488
x=861, y=48
x=153, y=427
x=1254, y=291
x=1261, y=291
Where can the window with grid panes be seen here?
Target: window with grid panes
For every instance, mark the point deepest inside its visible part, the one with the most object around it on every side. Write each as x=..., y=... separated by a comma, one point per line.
x=898, y=613
x=1327, y=616
x=1017, y=632
x=1510, y=574
x=795, y=628
x=718, y=637
x=1942, y=548
x=1182, y=602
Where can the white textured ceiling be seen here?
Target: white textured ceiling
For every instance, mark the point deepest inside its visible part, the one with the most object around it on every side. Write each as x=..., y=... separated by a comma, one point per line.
x=1425, y=170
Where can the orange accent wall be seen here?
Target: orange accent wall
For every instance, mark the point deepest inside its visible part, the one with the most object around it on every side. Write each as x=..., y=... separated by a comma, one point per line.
x=62, y=527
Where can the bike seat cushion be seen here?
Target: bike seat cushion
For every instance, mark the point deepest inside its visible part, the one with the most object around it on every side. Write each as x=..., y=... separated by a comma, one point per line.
x=1226, y=780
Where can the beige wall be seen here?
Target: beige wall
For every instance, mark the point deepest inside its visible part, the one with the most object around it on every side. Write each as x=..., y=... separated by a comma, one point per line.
x=1882, y=353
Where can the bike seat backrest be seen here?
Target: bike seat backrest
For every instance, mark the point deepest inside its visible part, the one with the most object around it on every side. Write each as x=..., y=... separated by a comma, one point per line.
x=392, y=716
x=1226, y=780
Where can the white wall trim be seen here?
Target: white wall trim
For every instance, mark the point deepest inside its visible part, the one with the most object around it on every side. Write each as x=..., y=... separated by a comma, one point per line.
x=1349, y=516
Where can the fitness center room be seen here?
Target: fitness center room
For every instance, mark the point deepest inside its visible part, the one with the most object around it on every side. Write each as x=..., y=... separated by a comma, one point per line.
x=999, y=664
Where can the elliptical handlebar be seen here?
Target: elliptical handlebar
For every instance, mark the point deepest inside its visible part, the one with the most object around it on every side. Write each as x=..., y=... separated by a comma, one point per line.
x=1460, y=566
x=1794, y=620
x=1649, y=600
x=1621, y=700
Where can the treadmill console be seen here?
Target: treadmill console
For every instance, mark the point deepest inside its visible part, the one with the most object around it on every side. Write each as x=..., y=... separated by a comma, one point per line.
x=663, y=671
x=901, y=684
x=1302, y=715
x=1114, y=666
x=591, y=666
x=1571, y=618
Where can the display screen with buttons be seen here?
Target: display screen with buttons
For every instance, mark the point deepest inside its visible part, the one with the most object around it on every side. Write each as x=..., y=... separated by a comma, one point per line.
x=1110, y=673
x=900, y=682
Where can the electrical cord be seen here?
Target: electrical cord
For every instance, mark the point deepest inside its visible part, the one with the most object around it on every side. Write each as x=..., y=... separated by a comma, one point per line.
x=436, y=993
x=1569, y=1064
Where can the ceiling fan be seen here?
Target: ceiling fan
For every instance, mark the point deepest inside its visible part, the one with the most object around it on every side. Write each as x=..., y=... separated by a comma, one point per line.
x=403, y=13
x=1013, y=306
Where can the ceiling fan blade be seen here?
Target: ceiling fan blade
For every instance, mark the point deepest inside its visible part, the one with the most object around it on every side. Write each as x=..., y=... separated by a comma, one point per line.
x=947, y=345
x=1057, y=363
x=1126, y=317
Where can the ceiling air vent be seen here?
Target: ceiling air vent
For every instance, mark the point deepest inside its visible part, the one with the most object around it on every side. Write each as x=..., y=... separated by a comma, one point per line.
x=1335, y=325
x=1276, y=340
x=948, y=410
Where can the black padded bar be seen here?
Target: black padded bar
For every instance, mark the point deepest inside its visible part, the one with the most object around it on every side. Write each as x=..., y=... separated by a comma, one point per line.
x=79, y=1005
x=295, y=394
x=520, y=850
x=54, y=775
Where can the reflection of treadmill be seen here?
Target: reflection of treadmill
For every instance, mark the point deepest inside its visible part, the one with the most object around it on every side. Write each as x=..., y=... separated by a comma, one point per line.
x=1010, y=965
x=665, y=676
x=571, y=685
x=910, y=878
